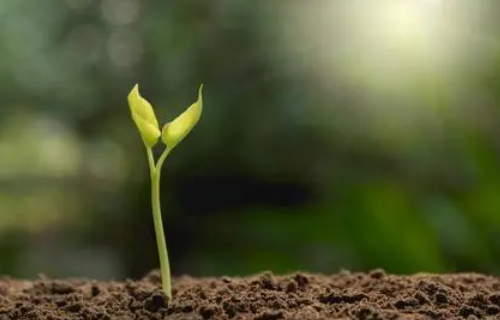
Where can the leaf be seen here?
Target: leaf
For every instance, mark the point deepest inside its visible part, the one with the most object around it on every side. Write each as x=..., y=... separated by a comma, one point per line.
x=144, y=117
x=176, y=130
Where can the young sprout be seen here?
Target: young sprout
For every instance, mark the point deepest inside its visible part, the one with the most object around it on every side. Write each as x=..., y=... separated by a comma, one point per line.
x=171, y=134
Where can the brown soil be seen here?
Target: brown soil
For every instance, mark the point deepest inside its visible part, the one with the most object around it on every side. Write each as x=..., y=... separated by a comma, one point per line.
x=374, y=296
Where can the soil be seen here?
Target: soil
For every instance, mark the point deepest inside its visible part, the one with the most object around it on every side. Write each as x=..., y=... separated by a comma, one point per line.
x=369, y=296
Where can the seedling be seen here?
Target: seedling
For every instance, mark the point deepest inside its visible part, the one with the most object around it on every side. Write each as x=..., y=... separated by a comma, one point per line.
x=171, y=134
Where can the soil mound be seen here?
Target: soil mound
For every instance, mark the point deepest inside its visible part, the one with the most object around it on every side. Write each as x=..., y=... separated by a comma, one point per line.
x=364, y=296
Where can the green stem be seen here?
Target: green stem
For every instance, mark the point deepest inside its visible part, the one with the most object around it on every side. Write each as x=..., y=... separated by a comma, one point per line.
x=151, y=161
x=158, y=224
x=162, y=159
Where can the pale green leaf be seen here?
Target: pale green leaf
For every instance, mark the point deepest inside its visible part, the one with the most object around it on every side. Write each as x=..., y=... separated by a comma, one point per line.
x=176, y=130
x=144, y=117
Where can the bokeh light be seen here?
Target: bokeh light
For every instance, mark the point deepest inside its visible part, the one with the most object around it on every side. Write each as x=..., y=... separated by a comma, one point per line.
x=336, y=134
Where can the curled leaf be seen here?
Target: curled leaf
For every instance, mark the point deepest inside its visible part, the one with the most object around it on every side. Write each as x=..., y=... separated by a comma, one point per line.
x=173, y=132
x=144, y=117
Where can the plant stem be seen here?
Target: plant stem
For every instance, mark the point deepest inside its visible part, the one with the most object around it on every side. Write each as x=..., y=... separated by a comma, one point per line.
x=158, y=224
x=162, y=159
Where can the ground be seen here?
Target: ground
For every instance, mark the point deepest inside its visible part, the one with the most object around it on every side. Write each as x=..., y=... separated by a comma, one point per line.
x=369, y=296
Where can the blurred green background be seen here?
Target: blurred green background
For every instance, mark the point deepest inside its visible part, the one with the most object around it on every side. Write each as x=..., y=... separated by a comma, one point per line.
x=336, y=134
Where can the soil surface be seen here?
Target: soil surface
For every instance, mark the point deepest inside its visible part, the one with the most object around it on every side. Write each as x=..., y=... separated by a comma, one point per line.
x=370, y=296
